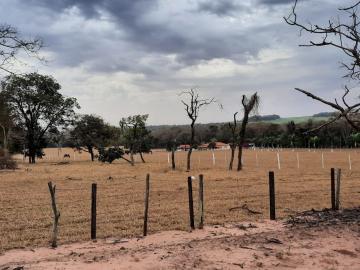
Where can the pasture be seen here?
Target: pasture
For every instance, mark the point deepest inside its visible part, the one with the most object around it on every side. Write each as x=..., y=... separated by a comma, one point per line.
x=302, y=183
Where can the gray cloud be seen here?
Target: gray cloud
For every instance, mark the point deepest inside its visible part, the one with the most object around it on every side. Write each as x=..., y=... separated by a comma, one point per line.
x=133, y=52
x=221, y=7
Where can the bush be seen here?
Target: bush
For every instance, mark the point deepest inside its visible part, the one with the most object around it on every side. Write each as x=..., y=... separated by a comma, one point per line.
x=6, y=162
x=110, y=154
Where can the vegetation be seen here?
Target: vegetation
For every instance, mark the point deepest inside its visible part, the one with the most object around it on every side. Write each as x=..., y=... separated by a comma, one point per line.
x=135, y=136
x=91, y=132
x=37, y=107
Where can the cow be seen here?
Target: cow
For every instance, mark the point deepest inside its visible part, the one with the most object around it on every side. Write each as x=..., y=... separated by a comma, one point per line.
x=66, y=155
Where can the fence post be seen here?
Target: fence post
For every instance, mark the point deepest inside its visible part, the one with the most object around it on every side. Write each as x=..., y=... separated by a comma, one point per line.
x=272, y=195
x=52, y=190
x=201, y=201
x=93, y=210
x=191, y=203
x=338, y=177
x=147, y=192
x=332, y=189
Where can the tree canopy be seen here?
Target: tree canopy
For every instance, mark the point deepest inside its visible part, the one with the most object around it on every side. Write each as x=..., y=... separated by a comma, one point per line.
x=37, y=106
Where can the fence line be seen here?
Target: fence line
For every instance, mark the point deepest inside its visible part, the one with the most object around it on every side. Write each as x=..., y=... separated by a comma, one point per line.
x=144, y=202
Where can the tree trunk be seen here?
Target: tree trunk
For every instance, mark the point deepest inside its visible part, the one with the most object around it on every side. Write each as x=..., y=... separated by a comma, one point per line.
x=188, y=164
x=142, y=158
x=91, y=152
x=242, y=138
x=5, y=140
x=192, y=139
x=132, y=158
x=173, y=158
x=233, y=148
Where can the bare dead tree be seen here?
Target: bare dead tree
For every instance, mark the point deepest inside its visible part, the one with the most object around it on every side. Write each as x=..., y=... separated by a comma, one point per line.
x=250, y=105
x=11, y=43
x=349, y=112
x=233, y=129
x=192, y=108
x=342, y=34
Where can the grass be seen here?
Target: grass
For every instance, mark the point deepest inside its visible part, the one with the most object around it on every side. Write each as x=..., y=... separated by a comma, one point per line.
x=26, y=216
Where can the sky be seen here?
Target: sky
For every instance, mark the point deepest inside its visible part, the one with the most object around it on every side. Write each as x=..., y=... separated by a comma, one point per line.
x=126, y=57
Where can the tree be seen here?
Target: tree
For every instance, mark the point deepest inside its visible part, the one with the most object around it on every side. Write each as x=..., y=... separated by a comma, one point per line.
x=37, y=106
x=192, y=108
x=343, y=35
x=249, y=105
x=91, y=132
x=11, y=43
x=6, y=122
x=136, y=136
x=172, y=146
x=233, y=129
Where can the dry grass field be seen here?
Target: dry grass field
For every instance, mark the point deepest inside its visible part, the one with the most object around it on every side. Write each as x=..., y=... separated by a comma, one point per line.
x=26, y=215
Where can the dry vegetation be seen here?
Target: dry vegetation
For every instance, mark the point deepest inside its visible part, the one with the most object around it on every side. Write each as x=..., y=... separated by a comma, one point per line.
x=26, y=215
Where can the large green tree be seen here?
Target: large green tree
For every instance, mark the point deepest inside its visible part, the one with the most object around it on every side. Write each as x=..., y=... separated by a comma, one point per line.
x=37, y=106
x=91, y=132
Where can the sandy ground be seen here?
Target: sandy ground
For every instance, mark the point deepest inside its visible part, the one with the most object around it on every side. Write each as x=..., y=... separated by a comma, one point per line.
x=260, y=245
x=26, y=216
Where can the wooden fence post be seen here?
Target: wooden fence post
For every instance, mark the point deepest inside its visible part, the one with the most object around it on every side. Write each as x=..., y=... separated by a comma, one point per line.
x=338, y=177
x=332, y=189
x=52, y=190
x=93, y=210
x=201, y=201
x=272, y=195
x=191, y=203
x=147, y=193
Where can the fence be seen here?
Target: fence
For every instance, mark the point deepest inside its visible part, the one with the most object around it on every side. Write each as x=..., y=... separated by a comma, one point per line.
x=120, y=209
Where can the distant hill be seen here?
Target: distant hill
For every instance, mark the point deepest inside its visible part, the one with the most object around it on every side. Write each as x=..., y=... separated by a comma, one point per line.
x=257, y=118
x=325, y=114
x=272, y=118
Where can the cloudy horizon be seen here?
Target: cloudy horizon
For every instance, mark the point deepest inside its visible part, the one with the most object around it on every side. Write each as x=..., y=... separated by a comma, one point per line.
x=120, y=58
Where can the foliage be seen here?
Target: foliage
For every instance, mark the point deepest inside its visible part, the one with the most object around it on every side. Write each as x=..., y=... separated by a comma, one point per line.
x=37, y=106
x=136, y=137
x=110, y=154
x=91, y=132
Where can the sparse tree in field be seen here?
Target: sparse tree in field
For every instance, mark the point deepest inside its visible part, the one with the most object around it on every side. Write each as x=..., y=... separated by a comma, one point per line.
x=341, y=34
x=37, y=106
x=233, y=143
x=249, y=105
x=192, y=108
x=136, y=136
x=91, y=132
x=11, y=43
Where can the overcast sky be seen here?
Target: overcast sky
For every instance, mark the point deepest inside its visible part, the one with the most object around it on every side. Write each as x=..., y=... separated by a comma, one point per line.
x=126, y=57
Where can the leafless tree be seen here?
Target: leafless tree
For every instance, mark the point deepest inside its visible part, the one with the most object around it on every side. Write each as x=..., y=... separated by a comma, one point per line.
x=250, y=105
x=233, y=129
x=11, y=43
x=342, y=34
x=192, y=108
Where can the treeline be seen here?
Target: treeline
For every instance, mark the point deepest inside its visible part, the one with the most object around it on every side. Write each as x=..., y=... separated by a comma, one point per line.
x=263, y=134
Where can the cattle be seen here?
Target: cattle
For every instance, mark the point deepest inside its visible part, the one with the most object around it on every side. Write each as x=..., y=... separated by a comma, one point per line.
x=66, y=155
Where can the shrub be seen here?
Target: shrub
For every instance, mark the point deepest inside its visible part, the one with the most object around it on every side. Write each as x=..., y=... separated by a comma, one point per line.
x=110, y=154
x=6, y=161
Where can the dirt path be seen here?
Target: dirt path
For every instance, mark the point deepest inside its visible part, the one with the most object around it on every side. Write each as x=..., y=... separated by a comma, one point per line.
x=266, y=245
